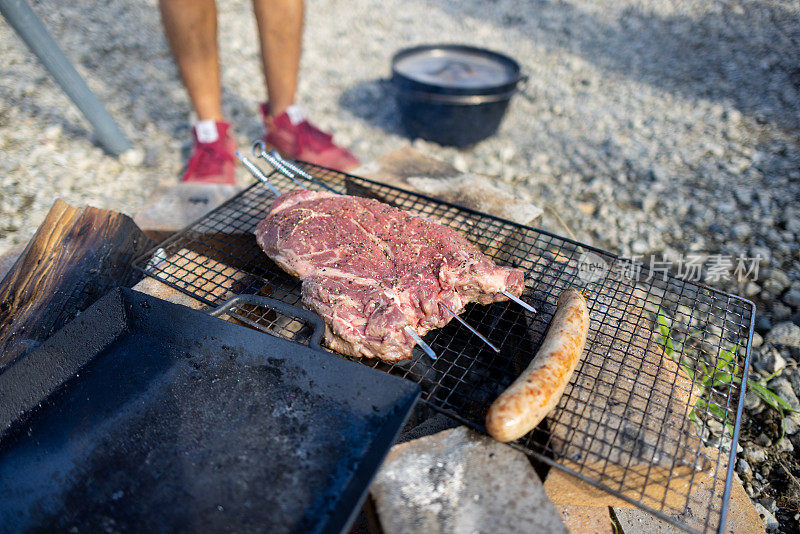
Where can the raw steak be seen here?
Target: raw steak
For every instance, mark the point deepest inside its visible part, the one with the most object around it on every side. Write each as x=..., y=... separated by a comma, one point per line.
x=370, y=269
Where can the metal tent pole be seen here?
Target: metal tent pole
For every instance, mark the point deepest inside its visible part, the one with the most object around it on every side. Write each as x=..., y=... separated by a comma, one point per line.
x=28, y=26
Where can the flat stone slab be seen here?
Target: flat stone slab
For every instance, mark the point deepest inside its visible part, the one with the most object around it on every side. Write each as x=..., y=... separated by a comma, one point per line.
x=586, y=519
x=574, y=496
x=567, y=490
x=742, y=515
x=172, y=207
x=458, y=481
x=408, y=168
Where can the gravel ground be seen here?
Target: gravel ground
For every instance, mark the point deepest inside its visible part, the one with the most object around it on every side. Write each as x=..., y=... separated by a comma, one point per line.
x=650, y=127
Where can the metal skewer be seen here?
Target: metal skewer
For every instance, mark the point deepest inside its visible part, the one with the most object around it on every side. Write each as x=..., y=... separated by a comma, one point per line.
x=462, y=321
x=277, y=163
x=520, y=302
x=257, y=173
x=424, y=346
x=302, y=172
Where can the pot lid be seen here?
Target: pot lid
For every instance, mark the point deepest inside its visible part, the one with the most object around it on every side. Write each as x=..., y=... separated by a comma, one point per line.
x=455, y=66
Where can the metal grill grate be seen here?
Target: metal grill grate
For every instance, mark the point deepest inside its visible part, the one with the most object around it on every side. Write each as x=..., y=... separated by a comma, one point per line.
x=631, y=421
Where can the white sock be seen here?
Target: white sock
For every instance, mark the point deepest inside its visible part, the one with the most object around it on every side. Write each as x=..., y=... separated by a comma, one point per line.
x=206, y=131
x=296, y=114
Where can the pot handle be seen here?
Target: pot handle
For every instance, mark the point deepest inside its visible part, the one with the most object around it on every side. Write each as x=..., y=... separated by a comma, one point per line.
x=287, y=309
x=522, y=86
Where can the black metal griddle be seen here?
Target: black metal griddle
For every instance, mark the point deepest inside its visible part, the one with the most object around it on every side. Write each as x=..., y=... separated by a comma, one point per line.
x=146, y=415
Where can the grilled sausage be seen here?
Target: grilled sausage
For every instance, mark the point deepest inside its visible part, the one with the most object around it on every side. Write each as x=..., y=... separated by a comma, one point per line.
x=537, y=390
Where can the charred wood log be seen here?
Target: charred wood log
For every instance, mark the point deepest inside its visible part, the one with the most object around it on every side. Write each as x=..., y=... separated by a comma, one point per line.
x=75, y=257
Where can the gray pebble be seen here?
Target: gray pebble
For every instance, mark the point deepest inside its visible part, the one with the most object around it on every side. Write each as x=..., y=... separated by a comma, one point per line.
x=784, y=445
x=792, y=298
x=743, y=467
x=769, y=503
x=786, y=333
x=770, y=523
x=753, y=403
x=639, y=246
x=793, y=375
x=781, y=311
x=715, y=427
x=744, y=195
x=778, y=280
x=751, y=289
x=768, y=358
x=755, y=456
x=763, y=440
x=761, y=252
x=790, y=425
x=741, y=230
x=757, y=340
x=783, y=389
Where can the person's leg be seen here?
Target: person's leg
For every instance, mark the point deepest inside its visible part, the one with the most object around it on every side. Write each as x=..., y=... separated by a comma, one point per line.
x=191, y=29
x=280, y=28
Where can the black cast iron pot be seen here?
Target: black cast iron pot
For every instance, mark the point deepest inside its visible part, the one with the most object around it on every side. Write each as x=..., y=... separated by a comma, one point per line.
x=453, y=94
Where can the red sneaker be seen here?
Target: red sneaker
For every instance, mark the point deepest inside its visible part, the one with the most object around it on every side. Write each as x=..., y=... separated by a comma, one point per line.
x=295, y=138
x=213, y=160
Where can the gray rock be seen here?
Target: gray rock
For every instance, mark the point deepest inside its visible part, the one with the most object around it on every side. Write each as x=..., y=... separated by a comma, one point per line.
x=769, y=503
x=639, y=246
x=783, y=389
x=480, y=193
x=790, y=425
x=172, y=207
x=743, y=467
x=770, y=523
x=641, y=522
x=755, y=456
x=763, y=440
x=768, y=358
x=459, y=481
x=786, y=333
x=744, y=196
x=793, y=375
x=784, y=445
x=758, y=486
x=781, y=311
x=761, y=252
x=753, y=403
x=757, y=340
x=777, y=282
x=715, y=427
x=741, y=230
x=751, y=289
